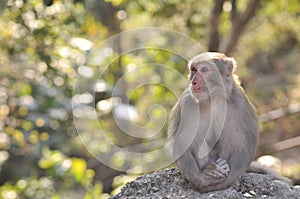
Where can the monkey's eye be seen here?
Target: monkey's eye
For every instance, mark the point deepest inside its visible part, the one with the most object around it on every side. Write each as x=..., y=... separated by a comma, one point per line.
x=204, y=69
x=193, y=68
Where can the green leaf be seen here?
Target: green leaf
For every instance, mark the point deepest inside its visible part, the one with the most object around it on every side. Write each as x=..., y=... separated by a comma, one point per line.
x=78, y=169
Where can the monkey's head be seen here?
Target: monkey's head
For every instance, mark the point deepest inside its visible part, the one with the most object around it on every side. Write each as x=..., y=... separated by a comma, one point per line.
x=210, y=75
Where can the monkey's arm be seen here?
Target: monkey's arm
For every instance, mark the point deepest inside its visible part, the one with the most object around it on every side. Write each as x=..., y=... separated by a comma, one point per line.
x=199, y=179
x=240, y=155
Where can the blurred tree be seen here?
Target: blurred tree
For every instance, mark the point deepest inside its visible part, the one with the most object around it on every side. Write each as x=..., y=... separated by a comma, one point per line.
x=44, y=44
x=262, y=35
x=238, y=19
x=37, y=157
x=226, y=22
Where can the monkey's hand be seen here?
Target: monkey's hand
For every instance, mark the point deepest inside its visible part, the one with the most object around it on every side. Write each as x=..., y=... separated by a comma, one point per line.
x=218, y=170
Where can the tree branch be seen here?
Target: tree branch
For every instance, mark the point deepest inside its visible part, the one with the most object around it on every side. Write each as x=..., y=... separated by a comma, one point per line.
x=278, y=113
x=287, y=144
x=238, y=25
x=213, y=30
x=233, y=10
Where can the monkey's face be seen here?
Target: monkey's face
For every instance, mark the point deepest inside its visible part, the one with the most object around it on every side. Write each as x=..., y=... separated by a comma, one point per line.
x=199, y=75
x=210, y=75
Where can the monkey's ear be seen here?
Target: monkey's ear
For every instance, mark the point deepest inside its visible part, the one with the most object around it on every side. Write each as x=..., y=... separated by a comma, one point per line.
x=230, y=66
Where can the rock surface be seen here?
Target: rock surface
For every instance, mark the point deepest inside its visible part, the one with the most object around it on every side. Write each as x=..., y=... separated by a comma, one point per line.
x=168, y=183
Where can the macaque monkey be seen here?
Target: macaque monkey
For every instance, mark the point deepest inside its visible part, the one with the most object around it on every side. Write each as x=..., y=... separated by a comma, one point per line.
x=213, y=126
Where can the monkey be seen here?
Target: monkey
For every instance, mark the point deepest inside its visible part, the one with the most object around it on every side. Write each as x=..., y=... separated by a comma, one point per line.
x=213, y=126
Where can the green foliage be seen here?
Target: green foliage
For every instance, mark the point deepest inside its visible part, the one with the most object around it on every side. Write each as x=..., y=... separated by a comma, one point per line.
x=29, y=188
x=39, y=158
x=41, y=49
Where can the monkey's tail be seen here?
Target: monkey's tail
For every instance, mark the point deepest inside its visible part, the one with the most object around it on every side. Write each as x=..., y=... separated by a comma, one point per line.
x=255, y=167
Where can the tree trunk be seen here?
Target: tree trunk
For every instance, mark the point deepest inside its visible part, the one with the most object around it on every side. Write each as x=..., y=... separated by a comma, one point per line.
x=213, y=37
x=238, y=24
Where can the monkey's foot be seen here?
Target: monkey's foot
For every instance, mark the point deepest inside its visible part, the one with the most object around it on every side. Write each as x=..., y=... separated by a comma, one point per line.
x=222, y=166
x=218, y=170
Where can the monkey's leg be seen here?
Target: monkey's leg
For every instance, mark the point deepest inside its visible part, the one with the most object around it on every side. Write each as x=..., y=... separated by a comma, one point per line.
x=238, y=162
x=190, y=170
x=220, y=169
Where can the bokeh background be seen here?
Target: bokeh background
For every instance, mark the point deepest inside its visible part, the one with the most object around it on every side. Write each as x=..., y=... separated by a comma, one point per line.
x=44, y=46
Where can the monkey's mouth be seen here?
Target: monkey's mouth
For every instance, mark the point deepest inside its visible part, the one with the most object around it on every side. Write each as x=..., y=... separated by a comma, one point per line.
x=199, y=90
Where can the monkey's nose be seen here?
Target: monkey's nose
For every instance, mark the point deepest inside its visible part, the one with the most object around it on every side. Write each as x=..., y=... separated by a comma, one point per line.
x=194, y=83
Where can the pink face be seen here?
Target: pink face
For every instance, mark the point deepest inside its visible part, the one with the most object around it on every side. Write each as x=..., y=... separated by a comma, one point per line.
x=198, y=72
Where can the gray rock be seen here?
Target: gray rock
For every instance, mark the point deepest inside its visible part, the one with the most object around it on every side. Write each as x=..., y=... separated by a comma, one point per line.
x=168, y=183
